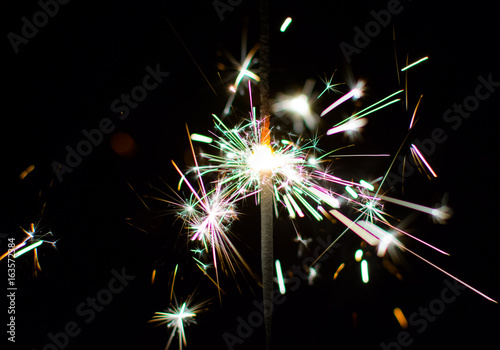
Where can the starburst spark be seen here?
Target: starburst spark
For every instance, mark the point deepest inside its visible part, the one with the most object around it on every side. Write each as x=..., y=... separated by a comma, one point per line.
x=208, y=217
x=177, y=318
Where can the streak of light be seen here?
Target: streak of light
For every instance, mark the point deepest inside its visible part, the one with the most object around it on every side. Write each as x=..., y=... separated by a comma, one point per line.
x=312, y=275
x=244, y=69
x=415, y=238
x=352, y=125
x=153, y=276
x=354, y=93
x=376, y=109
x=361, y=232
x=332, y=201
x=401, y=318
x=340, y=268
x=27, y=249
x=414, y=113
x=285, y=24
x=351, y=192
x=189, y=53
x=364, y=271
x=26, y=172
x=440, y=213
x=366, y=185
x=289, y=207
x=173, y=281
x=360, y=113
x=423, y=159
x=201, y=138
x=210, y=278
x=401, y=246
x=358, y=255
x=279, y=273
x=414, y=63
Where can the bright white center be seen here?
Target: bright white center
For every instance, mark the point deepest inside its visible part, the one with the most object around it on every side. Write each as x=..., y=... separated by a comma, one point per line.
x=262, y=159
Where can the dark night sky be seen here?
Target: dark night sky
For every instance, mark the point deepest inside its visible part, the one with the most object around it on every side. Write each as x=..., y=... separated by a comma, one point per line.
x=64, y=80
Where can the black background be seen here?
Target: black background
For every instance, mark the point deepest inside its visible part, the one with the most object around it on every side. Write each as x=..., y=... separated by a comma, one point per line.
x=65, y=79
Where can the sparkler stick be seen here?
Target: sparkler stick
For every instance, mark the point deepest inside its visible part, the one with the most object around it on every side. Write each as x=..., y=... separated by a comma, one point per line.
x=266, y=195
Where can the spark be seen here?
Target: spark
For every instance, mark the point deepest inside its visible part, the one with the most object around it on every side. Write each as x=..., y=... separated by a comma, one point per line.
x=27, y=249
x=349, y=126
x=174, y=275
x=421, y=157
x=370, y=109
x=366, y=185
x=26, y=172
x=364, y=271
x=285, y=24
x=412, y=121
x=442, y=213
x=358, y=255
x=311, y=276
x=367, y=236
x=244, y=71
x=279, y=273
x=201, y=138
x=447, y=273
x=378, y=232
x=302, y=243
x=329, y=86
x=384, y=244
x=340, y=268
x=178, y=317
x=298, y=107
x=414, y=63
x=355, y=93
x=401, y=318
x=31, y=242
x=351, y=192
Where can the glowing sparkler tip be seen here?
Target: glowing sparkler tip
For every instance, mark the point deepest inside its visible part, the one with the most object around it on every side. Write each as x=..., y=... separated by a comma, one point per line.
x=262, y=158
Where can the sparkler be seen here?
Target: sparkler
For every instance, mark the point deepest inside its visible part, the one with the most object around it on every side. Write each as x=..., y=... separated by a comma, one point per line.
x=294, y=182
x=250, y=160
